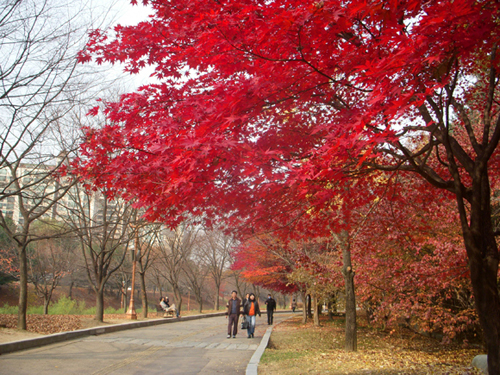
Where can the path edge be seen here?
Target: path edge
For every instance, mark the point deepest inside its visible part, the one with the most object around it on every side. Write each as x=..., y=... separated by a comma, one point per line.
x=255, y=360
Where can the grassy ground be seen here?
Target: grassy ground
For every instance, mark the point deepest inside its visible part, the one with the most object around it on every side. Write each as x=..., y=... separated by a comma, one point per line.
x=297, y=349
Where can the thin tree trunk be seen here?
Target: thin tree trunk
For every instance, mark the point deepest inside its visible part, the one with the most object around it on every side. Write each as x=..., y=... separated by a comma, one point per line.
x=304, y=307
x=351, y=341
x=316, y=310
x=23, y=290
x=70, y=290
x=125, y=296
x=99, y=305
x=217, y=303
x=144, y=295
x=309, y=307
x=178, y=299
x=46, y=302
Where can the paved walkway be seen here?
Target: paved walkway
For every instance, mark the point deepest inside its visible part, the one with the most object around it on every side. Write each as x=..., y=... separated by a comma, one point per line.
x=187, y=348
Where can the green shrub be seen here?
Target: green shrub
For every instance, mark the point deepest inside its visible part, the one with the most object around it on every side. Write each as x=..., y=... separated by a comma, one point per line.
x=6, y=309
x=35, y=310
x=63, y=306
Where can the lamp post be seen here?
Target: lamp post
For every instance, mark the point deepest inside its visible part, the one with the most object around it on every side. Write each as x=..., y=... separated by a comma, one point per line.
x=131, y=314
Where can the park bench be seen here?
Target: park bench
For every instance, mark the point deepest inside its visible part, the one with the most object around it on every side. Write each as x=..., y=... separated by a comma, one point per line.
x=165, y=314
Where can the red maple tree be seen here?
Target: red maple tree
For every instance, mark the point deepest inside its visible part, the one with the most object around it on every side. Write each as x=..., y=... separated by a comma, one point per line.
x=411, y=262
x=259, y=100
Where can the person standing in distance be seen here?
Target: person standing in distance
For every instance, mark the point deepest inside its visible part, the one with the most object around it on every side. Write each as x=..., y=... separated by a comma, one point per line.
x=251, y=309
x=270, y=307
x=232, y=314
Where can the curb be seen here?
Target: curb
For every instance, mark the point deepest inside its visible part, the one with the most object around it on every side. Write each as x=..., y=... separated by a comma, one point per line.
x=70, y=335
x=255, y=360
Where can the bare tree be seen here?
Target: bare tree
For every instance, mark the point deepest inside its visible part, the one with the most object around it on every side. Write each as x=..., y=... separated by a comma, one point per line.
x=239, y=281
x=49, y=261
x=145, y=257
x=175, y=248
x=40, y=84
x=214, y=248
x=196, y=275
x=103, y=228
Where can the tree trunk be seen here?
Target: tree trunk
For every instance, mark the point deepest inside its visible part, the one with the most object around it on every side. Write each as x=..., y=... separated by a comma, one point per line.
x=351, y=341
x=482, y=251
x=316, y=309
x=23, y=290
x=217, y=303
x=144, y=295
x=330, y=310
x=304, y=308
x=309, y=307
x=200, y=303
x=99, y=305
x=46, y=302
x=178, y=299
x=125, y=296
x=70, y=290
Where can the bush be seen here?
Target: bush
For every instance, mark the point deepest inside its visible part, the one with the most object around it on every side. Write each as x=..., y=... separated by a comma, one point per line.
x=6, y=309
x=64, y=306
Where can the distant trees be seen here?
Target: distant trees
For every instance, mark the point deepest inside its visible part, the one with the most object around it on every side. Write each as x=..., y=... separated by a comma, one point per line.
x=175, y=248
x=146, y=235
x=41, y=84
x=213, y=251
x=103, y=230
x=51, y=259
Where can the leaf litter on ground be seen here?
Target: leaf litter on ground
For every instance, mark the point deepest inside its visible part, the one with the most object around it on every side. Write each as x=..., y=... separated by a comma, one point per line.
x=297, y=348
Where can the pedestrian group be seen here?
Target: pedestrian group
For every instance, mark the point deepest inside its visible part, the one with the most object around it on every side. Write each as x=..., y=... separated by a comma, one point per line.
x=249, y=308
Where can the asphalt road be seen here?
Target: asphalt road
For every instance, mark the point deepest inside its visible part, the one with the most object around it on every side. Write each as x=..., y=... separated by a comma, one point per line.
x=187, y=348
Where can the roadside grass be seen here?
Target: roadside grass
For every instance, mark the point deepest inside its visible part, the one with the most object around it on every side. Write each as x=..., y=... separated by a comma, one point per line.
x=297, y=348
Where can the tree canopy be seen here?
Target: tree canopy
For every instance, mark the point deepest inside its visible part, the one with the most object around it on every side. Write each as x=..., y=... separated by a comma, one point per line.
x=265, y=111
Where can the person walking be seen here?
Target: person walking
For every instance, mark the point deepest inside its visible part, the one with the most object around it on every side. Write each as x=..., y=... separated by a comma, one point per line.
x=270, y=307
x=251, y=309
x=232, y=314
x=294, y=305
x=245, y=299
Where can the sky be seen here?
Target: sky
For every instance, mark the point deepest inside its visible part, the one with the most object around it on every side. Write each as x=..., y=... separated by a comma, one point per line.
x=130, y=14
x=126, y=14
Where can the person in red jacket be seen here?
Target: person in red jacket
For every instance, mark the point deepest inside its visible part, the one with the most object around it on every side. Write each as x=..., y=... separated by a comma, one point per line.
x=251, y=309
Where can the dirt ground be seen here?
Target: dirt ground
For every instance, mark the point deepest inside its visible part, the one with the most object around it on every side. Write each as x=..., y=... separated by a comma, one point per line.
x=9, y=335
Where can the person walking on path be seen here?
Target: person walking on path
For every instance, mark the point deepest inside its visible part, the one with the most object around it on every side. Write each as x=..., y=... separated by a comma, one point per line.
x=270, y=307
x=245, y=299
x=232, y=314
x=294, y=305
x=251, y=309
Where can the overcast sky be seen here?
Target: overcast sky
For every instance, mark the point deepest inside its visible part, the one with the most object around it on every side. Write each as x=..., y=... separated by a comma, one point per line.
x=124, y=13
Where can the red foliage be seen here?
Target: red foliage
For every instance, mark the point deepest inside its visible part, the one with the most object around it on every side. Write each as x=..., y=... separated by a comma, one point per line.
x=411, y=262
x=266, y=111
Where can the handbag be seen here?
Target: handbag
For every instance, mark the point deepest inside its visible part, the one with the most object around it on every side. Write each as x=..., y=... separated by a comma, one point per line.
x=244, y=324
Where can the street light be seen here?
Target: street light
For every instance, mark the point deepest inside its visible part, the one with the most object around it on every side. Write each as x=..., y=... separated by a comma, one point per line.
x=131, y=314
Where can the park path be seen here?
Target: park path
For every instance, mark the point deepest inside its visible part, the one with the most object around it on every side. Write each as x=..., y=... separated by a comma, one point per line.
x=184, y=347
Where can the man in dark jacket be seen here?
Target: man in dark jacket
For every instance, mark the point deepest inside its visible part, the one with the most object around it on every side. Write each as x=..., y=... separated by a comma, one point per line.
x=233, y=313
x=270, y=307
